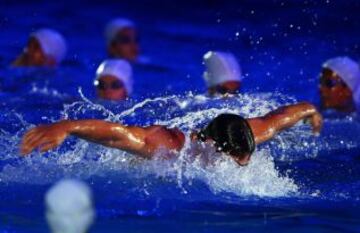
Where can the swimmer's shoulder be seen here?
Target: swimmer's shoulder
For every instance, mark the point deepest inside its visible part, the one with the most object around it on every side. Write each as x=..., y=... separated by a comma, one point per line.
x=158, y=128
x=163, y=130
x=162, y=136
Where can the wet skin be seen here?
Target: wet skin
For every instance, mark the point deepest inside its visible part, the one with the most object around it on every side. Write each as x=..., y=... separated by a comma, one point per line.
x=111, y=88
x=334, y=93
x=145, y=141
x=33, y=55
x=230, y=87
x=126, y=45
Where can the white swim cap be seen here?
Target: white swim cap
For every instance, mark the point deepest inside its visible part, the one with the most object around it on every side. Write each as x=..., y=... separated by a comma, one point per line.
x=52, y=43
x=347, y=69
x=69, y=207
x=116, y=25
x=221, y=67
x=120, y=69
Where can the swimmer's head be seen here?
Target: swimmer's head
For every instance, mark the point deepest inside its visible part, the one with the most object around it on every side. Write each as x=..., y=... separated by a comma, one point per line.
x=69, y=207
x=122, y=39
x=114, y=79
x=46, y=47
x=339, y=83
x=223, y=73
x=230, y=134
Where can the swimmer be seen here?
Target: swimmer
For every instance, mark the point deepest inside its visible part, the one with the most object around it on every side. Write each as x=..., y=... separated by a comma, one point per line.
x=46, y=47
x=122, y=39
x=340, y=84
x=223, y=73
x=231, y=134
x=114, y=80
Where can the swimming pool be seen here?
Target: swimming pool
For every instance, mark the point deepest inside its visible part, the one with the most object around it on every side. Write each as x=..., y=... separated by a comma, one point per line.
x=296, y=183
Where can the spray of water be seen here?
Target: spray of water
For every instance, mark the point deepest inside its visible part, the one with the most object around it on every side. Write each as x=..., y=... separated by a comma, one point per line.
x=80, y=159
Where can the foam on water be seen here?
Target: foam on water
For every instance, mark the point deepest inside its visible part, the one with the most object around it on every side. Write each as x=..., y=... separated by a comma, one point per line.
x=81, y=159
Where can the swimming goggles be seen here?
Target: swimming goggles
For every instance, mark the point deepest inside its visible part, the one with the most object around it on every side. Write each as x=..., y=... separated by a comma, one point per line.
x=126, y=39
x=224, y=90
x=115, y=85
x=330, y=83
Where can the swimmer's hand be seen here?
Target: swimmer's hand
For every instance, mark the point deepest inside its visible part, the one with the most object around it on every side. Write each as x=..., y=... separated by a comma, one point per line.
x=44, y=137
x=316, y=121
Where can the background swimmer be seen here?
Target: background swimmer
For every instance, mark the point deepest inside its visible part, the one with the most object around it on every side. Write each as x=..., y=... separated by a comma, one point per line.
x=114, y=79
x=122, y=39
x=69, y=207
x=223, y=73
x=340, y=84
x=46, y=47
x=230, y=134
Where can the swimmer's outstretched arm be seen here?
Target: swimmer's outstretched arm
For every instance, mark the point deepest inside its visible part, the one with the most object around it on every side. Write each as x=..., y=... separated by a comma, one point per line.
x=47, y=137
x=266, y=127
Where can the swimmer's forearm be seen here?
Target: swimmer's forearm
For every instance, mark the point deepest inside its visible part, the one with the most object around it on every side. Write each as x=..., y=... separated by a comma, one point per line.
x=302, y=111
x=105, y=133
x=93, y=129
x=288, y=116
x=47, y=137
x=266, y=127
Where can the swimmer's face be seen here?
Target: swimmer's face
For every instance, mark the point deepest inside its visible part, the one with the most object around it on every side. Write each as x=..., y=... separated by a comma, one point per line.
x=242, y=159
x=110, y=88
x=334, y=92
x=229, y=87
x=34, y=54
x=125, y=45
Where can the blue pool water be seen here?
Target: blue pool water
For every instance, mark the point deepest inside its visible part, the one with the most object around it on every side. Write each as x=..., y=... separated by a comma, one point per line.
x=295, y=183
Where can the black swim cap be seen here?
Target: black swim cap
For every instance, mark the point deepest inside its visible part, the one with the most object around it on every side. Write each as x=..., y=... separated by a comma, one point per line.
x=231, y=133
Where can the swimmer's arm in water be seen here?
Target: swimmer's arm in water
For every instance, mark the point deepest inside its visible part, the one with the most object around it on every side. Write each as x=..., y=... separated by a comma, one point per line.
x=266, y=127
x=47, y=137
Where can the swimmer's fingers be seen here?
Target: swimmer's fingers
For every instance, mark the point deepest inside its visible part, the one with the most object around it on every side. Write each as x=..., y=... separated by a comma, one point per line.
x=30, y=133
x=33, y=132
x=46, y=142
x=48, y=146
x=27, y=148
x=29, y=140
x=51, y=143
x=317, y=123
x=43, y=137
x=39, y=143
x=32, y=139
